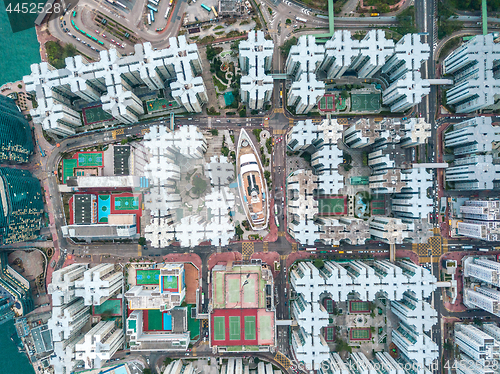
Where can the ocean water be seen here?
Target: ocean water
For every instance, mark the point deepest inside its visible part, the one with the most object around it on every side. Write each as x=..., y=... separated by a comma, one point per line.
x=11, y=361
x=19, y=51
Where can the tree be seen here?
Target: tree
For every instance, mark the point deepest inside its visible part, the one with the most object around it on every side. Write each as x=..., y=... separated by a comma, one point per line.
x=142, y=241
x=238, y=231
x=147, y=371
x=342, y=345
x=285, y=48
x=106, y=315
x=288, y=21
x=214, y=132
x=124, y=141
x=256, y=133
x=344, y=94
x=319, y=263
x=199, y=185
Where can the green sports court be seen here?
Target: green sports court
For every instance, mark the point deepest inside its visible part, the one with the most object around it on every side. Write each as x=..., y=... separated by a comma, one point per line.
x=329, y=305
x=360, y=333
x=68, y=168
x=250, y=328
x=89, y=159
x=219, y=328
x=365, y=102
x=234, y=328
x=327, y=103
x=359, y=307
x=332, y=205
x=147, y=277
x=126, y=202
x=95, y=114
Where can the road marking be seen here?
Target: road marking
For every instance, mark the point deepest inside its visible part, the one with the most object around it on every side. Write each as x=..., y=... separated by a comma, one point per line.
x=265, y=246
x=139, y=250
x=281, y=233
x=294, y=247
x=247, y=249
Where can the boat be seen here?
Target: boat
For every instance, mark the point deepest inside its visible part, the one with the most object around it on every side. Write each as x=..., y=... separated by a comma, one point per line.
x=251, y=183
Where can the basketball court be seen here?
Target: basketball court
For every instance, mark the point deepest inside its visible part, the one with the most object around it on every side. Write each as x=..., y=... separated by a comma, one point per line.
x=95, y=114
x=126, y=202
x=147, y=277
x=365, y=102
x=360, y=333
x=332, y=205
x=359, y=307
x=103, y=208
x=89, y=159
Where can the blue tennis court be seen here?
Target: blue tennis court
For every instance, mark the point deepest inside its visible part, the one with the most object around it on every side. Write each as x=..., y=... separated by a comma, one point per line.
x=104, y=208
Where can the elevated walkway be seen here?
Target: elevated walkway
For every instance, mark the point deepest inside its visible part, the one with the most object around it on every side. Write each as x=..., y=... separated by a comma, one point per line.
x=440, y=82
x=282, y=76
x=286, y=322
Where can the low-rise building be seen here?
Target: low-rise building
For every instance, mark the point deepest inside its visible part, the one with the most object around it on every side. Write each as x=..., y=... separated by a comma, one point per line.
x=241, y=308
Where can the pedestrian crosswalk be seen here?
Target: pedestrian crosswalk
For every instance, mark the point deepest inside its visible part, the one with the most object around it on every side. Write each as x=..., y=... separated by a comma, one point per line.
x=290, y=122
x=279, y=131
x=279, y=110
x=265, y=246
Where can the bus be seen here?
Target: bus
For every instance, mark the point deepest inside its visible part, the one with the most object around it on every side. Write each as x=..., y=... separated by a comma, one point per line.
x=154, y=2
x=120, y=4
x=215, y=12
x=374, y=15
x=101, y=43
x=152, y=15
x=74, y=13
x=206, y=8
x=73, y=23
x=149, y=19
x=166, y=13
x=310, y=249
x=171, y=2
x=298, y=19
x=152, y=8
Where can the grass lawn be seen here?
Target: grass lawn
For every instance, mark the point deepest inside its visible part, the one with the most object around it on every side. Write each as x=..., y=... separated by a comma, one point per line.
x=221, y=86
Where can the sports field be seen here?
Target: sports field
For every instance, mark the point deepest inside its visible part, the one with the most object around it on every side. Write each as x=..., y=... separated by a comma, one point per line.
x=241, y=290
x=89, y=159
x=359, y=307
x=160, y=104
x=170, y=283
x=365, y=102
x=328, y=206
x=103, y=208
x=155, y=320
x=234, y=327
x=219, y=328
x=68, y=168
x=329, y=305
x=250, y=328
x=95, y=114
x=360, y=333
x=378, y=207
x=147, y=277
x=126, y=202
x=327, y=103
x=329, y=334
